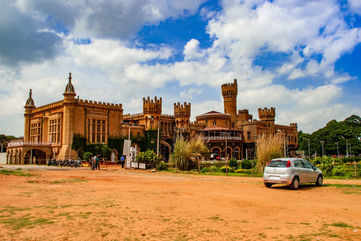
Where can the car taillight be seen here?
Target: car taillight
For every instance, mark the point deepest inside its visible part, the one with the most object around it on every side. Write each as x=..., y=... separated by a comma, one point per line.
x=288, y=163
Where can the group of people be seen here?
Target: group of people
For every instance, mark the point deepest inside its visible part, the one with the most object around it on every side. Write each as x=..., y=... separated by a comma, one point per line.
x=95, y=162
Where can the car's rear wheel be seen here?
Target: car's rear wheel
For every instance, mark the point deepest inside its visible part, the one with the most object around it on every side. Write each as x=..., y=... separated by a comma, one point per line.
x=295, y=183
x=319, y=181
x=268, y=184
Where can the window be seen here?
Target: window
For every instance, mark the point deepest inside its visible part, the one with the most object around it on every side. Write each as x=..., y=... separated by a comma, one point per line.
x=298, y=163
x=35, y=130
x=307, y=164
x=53, y=131
x=96, y=131
x=214, y=123
x=248, y=135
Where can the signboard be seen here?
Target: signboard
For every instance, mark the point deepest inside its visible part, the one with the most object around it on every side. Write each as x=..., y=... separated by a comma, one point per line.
x=142, y=166
x=126, y=147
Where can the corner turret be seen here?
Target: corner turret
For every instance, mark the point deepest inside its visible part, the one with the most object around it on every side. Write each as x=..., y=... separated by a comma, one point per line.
x=229, y=93
x=182, y=114
x=267, y=115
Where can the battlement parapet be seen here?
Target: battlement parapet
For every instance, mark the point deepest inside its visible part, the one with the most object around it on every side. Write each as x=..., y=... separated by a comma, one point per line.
x=267, y=114
x=230, y=89
x=100, y=104
x=182, y=110
x=152, y=106
x=294, y=125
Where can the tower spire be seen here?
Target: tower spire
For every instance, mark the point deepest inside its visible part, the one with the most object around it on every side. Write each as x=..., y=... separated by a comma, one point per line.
x=69, y=89
x=30, y=101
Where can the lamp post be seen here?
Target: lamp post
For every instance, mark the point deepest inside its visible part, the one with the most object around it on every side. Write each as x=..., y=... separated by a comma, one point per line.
x=225, y=135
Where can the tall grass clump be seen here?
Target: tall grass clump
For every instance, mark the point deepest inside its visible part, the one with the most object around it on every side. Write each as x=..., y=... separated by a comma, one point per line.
x=268, y=147
x=187, y=155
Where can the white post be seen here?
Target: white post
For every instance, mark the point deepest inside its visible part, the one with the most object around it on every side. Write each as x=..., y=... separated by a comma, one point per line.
x=158, y=141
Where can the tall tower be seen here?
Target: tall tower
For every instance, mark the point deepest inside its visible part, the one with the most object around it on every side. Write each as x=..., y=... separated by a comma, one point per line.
x=229, y=92
x=29, y=106
x=66, y=152
x=152, y=110
x=267, y=115
x=182, y=114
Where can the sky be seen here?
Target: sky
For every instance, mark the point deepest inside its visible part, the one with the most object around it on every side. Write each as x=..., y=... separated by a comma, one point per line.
x=302, y=57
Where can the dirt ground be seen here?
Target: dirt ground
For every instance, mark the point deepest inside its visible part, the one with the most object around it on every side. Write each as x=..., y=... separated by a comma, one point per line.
x=116, y=204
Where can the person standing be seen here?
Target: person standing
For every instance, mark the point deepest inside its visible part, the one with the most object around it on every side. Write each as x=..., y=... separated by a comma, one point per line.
x=93, y=162
x=122, y=160
x=97, y=163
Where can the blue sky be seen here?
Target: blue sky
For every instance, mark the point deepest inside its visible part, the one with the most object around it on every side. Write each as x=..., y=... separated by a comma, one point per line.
x=300, y=56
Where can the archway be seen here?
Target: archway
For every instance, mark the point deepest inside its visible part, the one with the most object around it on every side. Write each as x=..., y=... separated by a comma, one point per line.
x=236, y=153
x=229, y=152
x=35, y=156
x=165, y=150
x=215, y=153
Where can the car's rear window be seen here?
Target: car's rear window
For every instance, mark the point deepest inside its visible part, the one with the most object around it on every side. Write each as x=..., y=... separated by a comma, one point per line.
x=277, y=163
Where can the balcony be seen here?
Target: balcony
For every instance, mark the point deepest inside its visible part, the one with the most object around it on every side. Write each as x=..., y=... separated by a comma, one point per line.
x=21, y=143
x=222, y=138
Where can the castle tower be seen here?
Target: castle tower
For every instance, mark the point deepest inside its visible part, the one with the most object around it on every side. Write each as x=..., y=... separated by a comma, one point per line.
x=229, y=93
x=152, y=110
x=29, y=106
x=182, y=114
x=66, y=152
x=267, y=115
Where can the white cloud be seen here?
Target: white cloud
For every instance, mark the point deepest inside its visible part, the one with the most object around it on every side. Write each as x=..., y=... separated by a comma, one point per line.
x=355, y=6
x=121, y=71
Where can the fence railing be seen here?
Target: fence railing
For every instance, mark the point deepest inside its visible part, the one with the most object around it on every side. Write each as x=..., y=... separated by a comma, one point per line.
x=21, y=143
x=222, y=138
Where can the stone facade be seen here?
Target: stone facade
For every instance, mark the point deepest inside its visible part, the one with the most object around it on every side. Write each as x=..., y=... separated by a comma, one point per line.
x=49, y=129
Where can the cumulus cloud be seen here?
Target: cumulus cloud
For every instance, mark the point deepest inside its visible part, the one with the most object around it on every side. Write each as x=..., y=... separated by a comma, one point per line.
x=355, y=6
x=115, y=69
x=22, y=39
x=117, y=19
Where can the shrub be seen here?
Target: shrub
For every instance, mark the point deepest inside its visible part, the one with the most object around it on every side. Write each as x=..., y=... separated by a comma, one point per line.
x=148, y=157
x=87, y=155
x=224, y=169
x=205, y=169
x=247, y=164
x=162, y=166
x=233, y=163
x=339, y=171
x=187, y=155
x=268, y=147
x=214, y=169
x=243, y=171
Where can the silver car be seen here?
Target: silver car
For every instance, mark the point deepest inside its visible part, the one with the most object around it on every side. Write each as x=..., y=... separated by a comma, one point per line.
x=291, y=171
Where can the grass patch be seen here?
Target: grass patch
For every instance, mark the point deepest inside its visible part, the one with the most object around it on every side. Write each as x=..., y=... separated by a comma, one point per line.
x=340, y=225
x=26, y=221
x=12, y=210
x=194, y=172
x=70, y=180
x=15, y=173
x=358, y=186
x=216, y=218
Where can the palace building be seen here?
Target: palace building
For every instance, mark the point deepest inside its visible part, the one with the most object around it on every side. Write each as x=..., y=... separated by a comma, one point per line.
x=49, y=129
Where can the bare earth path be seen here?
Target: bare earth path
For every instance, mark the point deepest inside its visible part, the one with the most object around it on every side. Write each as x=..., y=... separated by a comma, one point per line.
x=115, y=204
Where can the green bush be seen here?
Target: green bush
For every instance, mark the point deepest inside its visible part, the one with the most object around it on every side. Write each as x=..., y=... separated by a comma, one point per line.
x=243, y=171
x=213, y=169
x=205, y=169
x=247, y=164
x=224, y=169
x=339, y=171
x=87, y=155
x=149, y=157
x=162, y=166
x=233, y=163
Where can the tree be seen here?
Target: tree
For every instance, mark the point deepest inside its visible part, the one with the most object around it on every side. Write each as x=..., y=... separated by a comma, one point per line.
x=343, y=132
